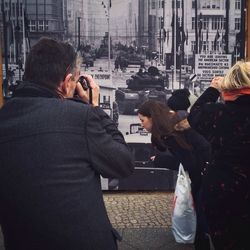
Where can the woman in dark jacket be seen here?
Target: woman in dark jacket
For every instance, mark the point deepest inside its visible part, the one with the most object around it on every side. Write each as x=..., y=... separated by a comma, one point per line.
x=226, y=189
x=187, y=147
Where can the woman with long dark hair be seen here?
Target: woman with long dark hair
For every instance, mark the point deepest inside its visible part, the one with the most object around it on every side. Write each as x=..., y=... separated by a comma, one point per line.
x=187, y=147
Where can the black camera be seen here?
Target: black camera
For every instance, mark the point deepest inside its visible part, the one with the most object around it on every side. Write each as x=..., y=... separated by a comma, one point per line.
x=86, y=86
x=84, y=82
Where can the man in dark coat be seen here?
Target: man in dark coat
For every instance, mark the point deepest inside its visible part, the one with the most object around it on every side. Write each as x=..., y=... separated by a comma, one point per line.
x=53, y=150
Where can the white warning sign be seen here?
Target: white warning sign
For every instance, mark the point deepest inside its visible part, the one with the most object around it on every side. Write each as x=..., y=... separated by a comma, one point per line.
x=207, y=66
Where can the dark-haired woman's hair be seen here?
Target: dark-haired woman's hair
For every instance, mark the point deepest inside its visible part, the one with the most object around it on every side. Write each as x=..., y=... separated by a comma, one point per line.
x=163, y=122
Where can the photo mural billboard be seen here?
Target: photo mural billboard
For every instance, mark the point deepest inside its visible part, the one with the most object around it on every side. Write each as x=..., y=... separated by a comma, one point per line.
x=136, y=50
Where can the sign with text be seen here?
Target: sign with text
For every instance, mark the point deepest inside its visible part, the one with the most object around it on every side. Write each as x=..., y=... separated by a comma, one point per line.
x=207, y=66
x=103, y=79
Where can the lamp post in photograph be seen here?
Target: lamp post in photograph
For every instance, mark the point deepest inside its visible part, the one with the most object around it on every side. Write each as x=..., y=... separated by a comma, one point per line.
x=79, y=32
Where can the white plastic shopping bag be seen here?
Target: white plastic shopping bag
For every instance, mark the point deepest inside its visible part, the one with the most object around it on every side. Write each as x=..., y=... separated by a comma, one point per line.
x=184, y=215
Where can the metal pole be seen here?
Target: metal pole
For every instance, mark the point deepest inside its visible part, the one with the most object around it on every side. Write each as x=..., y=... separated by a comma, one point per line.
x=109, y=47
x=160, y=40
x=17, y=30
x=157, y=31
x=196, y=27
x=243, y=29
x=181, y=60
x=163, y=14
x=227, y=26
x=1, y=73
x=14, y=41
x=24, y=39
x=5, y=41
x=175, y=47
x=79, y=33
x=172, y=79
x=183, y=32
x=248, y=31
x=236, y=53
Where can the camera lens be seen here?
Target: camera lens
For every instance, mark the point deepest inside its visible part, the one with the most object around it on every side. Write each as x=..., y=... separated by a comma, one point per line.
x=83, y=82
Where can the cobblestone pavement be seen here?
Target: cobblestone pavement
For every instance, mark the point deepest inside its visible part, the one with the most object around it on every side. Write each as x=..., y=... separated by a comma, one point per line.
x=139, y=209
x=143, y=219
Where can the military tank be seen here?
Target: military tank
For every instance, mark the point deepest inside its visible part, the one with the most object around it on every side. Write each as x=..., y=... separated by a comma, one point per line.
x=142, y=86
x=103, y=50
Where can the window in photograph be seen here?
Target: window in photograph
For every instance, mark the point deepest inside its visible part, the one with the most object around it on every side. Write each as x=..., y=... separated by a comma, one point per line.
x=46, y=25
x=153, y=4
x=205, y=46
x=32, y=25
x=237, y=23
x=40, y=25
x=205, y=23
x=193, y=23
x=13, y=10
x=218, y=23
x=193, y=46
x=193, y=4
x=237, y=4
x=178, y=4
x=70, y=16
x=216, y=46
x=20, y=9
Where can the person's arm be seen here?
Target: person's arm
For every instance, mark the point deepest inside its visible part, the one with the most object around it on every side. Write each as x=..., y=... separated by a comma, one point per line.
x=166, y=160
x=108, y=151
x=204, y=111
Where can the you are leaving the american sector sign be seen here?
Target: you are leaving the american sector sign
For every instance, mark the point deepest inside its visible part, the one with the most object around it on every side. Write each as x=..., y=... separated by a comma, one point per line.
x=208, y=66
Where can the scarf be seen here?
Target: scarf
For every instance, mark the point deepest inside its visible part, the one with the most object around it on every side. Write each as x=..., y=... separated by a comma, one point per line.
x=232, y=95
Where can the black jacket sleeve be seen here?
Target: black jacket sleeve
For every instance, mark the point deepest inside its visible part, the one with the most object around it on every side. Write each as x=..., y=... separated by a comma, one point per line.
x=108, y=151
x=204, y=112
x=166, y=160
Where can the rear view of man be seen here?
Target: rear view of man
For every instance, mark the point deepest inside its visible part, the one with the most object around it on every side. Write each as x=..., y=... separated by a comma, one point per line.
x=53, y=150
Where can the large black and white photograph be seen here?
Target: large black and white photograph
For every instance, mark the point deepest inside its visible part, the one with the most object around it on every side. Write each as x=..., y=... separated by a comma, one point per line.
x=124, y=124
x=137, y=50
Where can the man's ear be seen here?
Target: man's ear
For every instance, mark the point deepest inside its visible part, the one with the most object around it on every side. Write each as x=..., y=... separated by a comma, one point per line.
x=65, y=85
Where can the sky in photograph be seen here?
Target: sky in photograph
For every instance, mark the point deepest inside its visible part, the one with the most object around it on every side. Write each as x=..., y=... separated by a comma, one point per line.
x=118, y=7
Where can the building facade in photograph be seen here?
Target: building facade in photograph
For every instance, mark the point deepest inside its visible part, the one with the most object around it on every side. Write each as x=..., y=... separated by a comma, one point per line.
x=28, y=20
x=189, y=27
x=202, y=27
x=175, y=30
x=124, y=23
x=76, y=21
x=87, y=21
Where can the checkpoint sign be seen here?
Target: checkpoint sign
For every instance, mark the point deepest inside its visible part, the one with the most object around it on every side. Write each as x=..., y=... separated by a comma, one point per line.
x=207, y=66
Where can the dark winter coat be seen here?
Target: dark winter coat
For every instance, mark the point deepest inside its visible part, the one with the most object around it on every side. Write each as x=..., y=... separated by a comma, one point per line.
x=226, y=189
x=53, y=152
x=193, y=159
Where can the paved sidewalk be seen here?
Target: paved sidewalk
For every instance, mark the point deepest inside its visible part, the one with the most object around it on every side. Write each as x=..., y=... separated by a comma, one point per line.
x=143, y=219
x=139, y=209
x=150, y=239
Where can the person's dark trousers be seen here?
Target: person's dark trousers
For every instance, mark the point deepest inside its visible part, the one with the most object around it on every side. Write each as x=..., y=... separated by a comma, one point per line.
x=201, y=238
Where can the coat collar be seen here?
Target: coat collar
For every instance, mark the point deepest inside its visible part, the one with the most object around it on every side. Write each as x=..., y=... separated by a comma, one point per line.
x=244, y=99
x=28, y=89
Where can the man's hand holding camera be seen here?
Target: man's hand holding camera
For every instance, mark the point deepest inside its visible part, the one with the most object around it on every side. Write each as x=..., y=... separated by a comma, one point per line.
x=92, y=90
